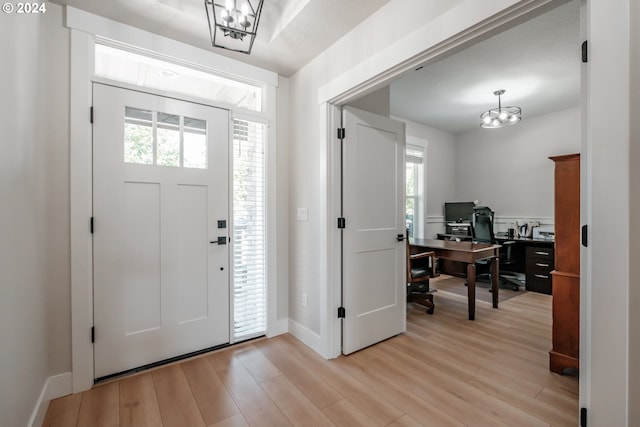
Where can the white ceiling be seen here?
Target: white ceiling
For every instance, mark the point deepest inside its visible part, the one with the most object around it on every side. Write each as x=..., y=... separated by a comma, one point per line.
x=537, y=63
x=290, y=33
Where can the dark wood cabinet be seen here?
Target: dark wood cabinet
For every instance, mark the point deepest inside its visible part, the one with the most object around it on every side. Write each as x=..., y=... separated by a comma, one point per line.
x=566, y=274
x=539, y=264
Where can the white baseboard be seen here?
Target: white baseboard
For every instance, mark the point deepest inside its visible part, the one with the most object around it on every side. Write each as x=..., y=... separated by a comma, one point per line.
x=278, y=328
x=55, y=386
x=307, y=336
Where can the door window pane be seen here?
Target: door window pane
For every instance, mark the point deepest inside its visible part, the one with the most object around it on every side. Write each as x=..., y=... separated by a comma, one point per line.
x=157, y=138
x=168, y=139
x=195, y=143
x=138, y=136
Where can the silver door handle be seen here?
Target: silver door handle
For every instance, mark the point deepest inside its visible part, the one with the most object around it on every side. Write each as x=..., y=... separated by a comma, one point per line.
x=540, y=276
x=539, y=264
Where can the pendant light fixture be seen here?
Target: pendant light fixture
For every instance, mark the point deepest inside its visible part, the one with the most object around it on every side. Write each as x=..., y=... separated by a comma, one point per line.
x=233, y=23
x=501, y=116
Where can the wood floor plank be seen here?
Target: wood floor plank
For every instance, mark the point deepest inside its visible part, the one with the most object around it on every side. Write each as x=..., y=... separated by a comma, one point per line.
x=407, y=421
x=444, y=371
x=373, y=404
x=398, y=395
x=100, y=407
x=138, y=402
x=345, y=414
x=298, y=409
x=63, y=412
x=258, y=366
x=214, y=401
x=477, y=400
x=298, y=372
x=421, y=382
x=237, y=420
x=256, y=406
x=178, y=406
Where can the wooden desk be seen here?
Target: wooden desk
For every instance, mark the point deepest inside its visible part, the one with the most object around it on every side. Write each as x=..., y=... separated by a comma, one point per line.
x=468, y=253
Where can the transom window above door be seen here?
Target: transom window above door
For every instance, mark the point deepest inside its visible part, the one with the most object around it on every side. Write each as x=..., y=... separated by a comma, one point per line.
x=144, y=71
x=164, y=139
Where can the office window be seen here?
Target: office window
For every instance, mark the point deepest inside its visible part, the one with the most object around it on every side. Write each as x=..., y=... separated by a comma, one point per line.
x=249, y=230
x=414, y=209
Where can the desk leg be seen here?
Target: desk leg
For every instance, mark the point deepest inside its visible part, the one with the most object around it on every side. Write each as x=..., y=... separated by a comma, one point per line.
x=495, y=276
x=471, y=289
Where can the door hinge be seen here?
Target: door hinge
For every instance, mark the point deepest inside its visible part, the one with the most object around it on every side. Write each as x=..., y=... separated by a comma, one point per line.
x=585, y=51
x=342, y=223
x=583, y=417
x=341, y=133
x=91, y=225
x=341, y=312
x=93, y=334
x=91, y=114
x=585, y=235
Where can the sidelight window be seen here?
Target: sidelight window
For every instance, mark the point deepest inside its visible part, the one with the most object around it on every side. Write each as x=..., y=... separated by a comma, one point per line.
x=249, y=230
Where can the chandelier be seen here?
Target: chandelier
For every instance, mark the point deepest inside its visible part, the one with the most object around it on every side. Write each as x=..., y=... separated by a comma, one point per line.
x=233, y=23
x=501, y=116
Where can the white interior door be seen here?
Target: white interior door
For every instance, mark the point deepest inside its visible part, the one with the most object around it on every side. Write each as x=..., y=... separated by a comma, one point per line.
x=374, y=287
x=161, y=279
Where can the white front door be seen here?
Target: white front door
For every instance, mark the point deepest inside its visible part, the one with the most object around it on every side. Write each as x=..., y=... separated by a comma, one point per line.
x=374, y=284
x=161, y=262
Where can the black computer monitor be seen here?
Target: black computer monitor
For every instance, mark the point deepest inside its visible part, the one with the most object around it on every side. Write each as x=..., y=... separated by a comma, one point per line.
x=458, y=212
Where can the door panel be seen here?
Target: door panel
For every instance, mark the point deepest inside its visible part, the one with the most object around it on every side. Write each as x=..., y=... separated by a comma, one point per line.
x=374, y=287
x=161, y=289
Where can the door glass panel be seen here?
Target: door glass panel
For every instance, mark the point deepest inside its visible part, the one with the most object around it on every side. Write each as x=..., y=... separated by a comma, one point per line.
x=138, y=136
x=195, y=143
x=168, y=139
x=164, y=139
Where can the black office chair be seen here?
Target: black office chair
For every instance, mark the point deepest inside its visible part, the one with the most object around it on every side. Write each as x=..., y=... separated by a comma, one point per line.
x=483, y=233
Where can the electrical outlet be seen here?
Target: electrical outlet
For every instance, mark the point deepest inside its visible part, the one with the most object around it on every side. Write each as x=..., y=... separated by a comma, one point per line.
x=305, y=299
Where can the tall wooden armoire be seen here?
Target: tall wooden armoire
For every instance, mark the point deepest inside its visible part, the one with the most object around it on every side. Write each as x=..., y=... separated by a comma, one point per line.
x=566, y=276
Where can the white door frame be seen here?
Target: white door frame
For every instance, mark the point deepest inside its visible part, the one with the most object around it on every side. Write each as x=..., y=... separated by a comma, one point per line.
x=605, y=167
x=359, y=81
x=84, y=29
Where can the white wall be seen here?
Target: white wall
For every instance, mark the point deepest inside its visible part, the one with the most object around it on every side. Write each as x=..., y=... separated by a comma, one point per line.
x=33, y=321
x=378, y=102
x=308, y=155
x=509, y=170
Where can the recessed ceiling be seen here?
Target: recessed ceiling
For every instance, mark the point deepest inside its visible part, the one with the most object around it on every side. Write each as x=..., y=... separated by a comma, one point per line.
x=290, y=34
x=536, y=62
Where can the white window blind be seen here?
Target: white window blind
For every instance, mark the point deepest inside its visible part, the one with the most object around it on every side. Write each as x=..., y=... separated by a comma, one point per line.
x=249, y=230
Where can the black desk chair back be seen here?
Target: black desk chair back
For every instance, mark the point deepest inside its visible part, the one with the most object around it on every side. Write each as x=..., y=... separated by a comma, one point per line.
x=483, y=233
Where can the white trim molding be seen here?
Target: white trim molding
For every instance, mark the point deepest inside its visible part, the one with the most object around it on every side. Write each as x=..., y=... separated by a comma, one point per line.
x=53, y=388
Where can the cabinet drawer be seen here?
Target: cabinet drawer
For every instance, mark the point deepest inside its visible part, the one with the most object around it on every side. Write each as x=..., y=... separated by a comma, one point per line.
x=536, y=283
x=539, y=264
x=539, y=253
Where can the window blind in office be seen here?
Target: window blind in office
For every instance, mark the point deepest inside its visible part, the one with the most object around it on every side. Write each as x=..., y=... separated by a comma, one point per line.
x=249, y=230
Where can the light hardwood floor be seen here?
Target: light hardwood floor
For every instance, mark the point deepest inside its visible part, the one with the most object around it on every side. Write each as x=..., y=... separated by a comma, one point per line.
x=444, y=371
